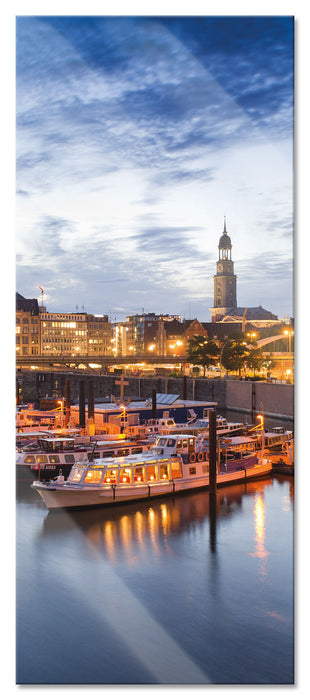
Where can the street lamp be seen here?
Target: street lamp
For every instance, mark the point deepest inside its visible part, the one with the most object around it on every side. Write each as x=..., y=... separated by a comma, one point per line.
x=263, y=434
x=289, y=335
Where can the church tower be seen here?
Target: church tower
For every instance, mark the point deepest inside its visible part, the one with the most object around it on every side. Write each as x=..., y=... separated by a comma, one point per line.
x=225, y=282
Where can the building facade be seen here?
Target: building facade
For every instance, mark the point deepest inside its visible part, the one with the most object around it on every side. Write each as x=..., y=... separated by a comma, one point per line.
x=28, y=336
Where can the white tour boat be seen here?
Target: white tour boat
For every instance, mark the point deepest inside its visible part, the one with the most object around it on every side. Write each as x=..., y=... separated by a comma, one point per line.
x=50, y=453
x=176, y=463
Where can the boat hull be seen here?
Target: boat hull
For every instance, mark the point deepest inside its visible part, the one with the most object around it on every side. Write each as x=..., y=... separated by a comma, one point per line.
x=63, y=496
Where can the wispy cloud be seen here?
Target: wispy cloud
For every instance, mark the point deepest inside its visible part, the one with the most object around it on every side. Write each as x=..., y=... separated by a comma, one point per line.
x=135, y=135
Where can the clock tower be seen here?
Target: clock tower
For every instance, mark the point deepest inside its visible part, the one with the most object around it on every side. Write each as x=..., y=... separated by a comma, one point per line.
x=225, y=282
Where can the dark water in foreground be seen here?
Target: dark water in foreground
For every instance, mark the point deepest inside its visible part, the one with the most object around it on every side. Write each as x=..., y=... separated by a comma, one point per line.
x=176, y=590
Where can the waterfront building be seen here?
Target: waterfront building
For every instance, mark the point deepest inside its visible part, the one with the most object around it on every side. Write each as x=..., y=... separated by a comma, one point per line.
x=63, y=334
x=145, y=332
x=99, y=335
x=27, y=326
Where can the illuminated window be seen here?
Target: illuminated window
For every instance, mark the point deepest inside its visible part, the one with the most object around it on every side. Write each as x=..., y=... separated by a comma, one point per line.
x=138, y=474
x=41, y=459
x=164, y=472
x=151, y=473
x=110, y=476
x=176, y=469
x=125, y=476
x=76, y=474
x=29, y=459
x=93, y=476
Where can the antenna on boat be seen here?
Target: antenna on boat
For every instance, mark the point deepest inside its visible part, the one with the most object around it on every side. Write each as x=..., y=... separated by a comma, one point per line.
x=92, y=452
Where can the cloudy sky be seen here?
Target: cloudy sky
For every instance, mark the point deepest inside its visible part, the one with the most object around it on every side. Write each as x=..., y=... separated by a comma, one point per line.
x=134, y=137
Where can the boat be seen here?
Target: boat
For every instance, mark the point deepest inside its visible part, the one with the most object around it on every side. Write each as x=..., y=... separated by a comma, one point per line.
x=275, y=438
x=29, y=419
x=49, y=453
x=223, y=427
x=157, y=426
x=176, y=463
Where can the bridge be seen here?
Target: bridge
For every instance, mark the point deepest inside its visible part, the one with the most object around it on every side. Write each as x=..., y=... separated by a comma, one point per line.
x=95, y=364
x=101, y=363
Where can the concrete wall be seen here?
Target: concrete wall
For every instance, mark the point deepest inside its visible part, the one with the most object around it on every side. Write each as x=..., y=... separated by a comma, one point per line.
x=273, y=399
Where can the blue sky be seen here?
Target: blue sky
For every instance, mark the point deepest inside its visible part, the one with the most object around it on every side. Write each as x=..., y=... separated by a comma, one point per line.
x=134, y=137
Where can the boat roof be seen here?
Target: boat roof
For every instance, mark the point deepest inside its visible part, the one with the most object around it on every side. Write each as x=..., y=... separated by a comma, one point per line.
x=147, y=403
x=128, y=460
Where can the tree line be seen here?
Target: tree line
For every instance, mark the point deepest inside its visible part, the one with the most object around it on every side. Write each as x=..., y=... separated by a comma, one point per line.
x=234, y=354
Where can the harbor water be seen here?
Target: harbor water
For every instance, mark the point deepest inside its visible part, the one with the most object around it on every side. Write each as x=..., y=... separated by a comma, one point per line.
x=186, y=589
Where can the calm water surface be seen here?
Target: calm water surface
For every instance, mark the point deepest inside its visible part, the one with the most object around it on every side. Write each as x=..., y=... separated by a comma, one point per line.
x=178, y=590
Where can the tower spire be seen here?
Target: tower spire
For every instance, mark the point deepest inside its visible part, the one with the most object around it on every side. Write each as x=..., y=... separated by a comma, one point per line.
x=224, y=231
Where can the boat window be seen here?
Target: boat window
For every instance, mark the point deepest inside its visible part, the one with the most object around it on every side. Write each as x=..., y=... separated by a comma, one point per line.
x=191, y=443
x=125, y=476
x=204, y=468
x=138, y=474
x=54, y=459
x=29, y=459
x=184, y=443
x=170, y=443
x=151, y=473
x=93, y=476
x=108, y=453
x=110, y=476
x=121, y=453
x=76, y=474
x=69, y=459
x=161, y=442
x=192, y=470
x=164, y=471
x=42, y=459
x=179, y=443
x=176, y=469
x=136, y=450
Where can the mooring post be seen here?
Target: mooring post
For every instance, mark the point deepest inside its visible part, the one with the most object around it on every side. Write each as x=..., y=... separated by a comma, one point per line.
x=212, y=520
x=154, y=408
x=82, y=404
x=212, y=450
x=91, y=400
x=67, y=403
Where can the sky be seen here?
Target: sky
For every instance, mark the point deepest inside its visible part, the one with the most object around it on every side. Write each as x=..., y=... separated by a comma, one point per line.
x=135, y=136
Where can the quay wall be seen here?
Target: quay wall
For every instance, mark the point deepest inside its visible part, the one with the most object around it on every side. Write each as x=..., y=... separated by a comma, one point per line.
x=275, y=400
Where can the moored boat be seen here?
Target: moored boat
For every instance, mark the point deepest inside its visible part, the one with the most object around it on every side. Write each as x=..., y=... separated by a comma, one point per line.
x=175, y=463
x=51, y=453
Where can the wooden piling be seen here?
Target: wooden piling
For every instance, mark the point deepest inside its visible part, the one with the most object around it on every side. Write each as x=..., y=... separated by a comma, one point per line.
x=67, y=402
x=91, y=400
x=82, y=403
x=154, y=407
x=212, y=450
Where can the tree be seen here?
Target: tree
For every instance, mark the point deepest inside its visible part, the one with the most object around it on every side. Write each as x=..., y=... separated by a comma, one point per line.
x=255, y=359
x=234, y=355
x=201, y=351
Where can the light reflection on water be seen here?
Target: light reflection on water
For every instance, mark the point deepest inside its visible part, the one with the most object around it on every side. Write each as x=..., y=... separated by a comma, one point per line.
x=178, y=588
